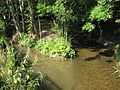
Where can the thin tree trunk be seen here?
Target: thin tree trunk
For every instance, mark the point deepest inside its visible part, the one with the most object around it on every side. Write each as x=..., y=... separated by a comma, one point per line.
x=36, y=32
x=63, y=29
x=66, y=35
x=22, y=14
x=31, y=16
x=32, y=20
x=40, y=28
x=12, y=11
x=5, y=19
x=17, y=16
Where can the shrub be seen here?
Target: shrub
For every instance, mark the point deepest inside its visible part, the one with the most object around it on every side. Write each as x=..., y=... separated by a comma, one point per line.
x=19, y=76
x=27, y=39
x=57, y=46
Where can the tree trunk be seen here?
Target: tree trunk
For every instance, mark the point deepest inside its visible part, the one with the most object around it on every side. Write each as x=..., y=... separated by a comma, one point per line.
x=35, y=31
x=40, y=28
x=22, y=14
x=12, y=11
x=63, y=29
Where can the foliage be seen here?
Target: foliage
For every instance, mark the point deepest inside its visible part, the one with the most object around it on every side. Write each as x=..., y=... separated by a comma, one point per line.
x=62, y=11
x=43, y=8
x=117, y=52
x=117, y=57
x=10, y=63
x=88, y=26
x=101, y=12
x=57, y=30
x=117, y=68
x=1, y=24
x=64, y=15
x=27, y=39
x=1, y=81
x=57, y=46
x=59, y=11
x=49, y=46
x=19, y=76
x=3, y=42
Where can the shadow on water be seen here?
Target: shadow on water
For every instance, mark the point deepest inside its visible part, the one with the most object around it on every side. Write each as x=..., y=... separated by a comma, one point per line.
x=48, y=84
x=107, y=53
x=109, y=61
x=93, y=58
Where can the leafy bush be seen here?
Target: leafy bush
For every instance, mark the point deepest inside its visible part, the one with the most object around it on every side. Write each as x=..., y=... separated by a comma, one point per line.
x=19, y=76
x=57, y=30
x=57, y=46
x=101, y=12
x=27, y=40
x=44, y=9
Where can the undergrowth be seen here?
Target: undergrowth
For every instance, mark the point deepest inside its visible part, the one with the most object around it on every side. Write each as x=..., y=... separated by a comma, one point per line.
x=26, y=39
x=57, y=46
x=117, y=58
x=19, y=75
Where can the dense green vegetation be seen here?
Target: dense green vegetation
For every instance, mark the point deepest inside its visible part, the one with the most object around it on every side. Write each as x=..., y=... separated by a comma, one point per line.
x=20, y=23
x=17, y=74
x=57, y=46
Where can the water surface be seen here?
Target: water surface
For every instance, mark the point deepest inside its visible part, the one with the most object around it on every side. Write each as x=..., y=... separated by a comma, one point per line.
x=91, y=70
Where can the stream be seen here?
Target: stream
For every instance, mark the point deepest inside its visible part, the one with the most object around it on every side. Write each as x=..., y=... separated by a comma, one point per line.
x=90, y=70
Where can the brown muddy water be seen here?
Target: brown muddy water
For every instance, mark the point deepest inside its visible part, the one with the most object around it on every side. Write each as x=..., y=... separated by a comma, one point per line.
x=91, y=70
